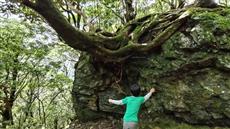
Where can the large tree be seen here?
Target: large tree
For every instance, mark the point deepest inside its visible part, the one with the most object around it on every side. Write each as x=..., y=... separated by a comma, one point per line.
x=112, y=47
x=128, y=41
x=136, y=38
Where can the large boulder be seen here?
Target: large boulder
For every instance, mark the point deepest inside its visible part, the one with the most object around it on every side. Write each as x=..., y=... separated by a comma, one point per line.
x=191, y=74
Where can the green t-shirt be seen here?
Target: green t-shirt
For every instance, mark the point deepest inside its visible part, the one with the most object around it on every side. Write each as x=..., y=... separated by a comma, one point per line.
x=132, y=108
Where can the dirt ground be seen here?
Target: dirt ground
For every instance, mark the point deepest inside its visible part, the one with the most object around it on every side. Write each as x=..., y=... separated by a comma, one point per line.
x=117, y=124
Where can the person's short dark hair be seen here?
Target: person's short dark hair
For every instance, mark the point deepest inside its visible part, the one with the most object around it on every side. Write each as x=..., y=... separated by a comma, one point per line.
x=135, y=89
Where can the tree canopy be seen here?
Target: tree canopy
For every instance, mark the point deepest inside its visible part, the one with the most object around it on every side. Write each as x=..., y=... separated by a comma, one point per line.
x=33, y=82
x=126, y=39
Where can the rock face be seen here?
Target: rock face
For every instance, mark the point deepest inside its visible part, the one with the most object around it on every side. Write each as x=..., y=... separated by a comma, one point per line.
x=191, y=74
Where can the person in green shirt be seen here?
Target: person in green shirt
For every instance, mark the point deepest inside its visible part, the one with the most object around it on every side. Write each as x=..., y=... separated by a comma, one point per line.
x=133, y=103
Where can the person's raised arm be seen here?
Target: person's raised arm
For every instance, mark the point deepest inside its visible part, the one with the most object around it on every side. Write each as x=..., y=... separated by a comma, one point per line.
x=147, y=96
x=117, y=102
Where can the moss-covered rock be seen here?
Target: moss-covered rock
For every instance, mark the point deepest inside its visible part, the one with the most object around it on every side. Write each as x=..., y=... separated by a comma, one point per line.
x=191, y=74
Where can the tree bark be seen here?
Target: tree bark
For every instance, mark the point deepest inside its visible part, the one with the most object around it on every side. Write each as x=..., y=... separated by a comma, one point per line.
x=7, y=115
x=10, y=97
x=130, y=13
x=206, y=3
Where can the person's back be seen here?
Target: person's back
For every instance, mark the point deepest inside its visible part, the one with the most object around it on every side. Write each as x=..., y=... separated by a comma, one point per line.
x=133, y=103
x=132, y=108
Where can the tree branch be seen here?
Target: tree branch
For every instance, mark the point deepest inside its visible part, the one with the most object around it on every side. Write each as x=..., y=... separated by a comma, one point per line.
x=114, y=48
x=73, y=37
x=28, y=3
x=135, y=48
x=206, y=3
x=130, y=12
